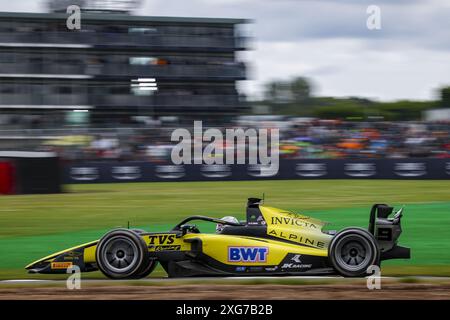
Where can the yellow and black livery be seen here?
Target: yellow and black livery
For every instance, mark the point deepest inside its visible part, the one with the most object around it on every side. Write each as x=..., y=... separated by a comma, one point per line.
x=270, y=242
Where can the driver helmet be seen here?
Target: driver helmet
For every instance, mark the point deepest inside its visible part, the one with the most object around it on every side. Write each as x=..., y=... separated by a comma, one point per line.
x=219, y=226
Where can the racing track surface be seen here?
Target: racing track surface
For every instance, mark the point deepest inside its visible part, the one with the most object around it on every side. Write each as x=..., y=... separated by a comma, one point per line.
x=230, y=288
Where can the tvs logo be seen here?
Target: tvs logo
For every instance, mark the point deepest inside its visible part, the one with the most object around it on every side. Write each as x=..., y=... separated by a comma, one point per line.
x=163, y=242
x=161, y=239
x=247, y=254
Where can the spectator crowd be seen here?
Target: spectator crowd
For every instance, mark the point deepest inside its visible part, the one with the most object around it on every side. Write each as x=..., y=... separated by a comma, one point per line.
x=299, y=139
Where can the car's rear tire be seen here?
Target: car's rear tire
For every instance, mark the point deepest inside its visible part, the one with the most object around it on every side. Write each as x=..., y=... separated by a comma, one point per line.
x=352, y=251
x=122, y=254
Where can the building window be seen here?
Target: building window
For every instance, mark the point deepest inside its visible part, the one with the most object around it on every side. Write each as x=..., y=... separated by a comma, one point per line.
x=143, y=60
x=139, y=91
x=142, y=30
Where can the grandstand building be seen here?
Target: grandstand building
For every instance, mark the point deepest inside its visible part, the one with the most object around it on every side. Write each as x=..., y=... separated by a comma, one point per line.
x=117, y=70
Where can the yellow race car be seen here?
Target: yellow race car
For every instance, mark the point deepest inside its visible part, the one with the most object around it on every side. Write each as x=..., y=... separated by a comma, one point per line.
x=270, y=242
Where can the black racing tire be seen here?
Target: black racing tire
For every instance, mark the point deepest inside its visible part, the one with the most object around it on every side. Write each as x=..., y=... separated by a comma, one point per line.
x=138, y=231
x=122, y=254
x=352, y=251
x=147, y=269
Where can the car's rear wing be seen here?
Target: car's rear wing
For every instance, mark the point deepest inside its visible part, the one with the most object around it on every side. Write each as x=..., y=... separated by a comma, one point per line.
x=387, y=231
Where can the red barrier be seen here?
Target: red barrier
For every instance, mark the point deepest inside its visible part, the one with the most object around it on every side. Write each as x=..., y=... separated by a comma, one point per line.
x=7, y=181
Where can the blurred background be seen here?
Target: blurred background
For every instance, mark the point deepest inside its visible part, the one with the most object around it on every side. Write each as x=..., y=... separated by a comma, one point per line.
x=116, y=88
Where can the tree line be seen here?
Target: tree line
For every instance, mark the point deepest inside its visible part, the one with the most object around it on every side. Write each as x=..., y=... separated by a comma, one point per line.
x=295, y=97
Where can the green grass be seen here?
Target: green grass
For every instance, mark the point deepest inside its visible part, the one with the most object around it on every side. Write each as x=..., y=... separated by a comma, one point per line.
x=35, y=225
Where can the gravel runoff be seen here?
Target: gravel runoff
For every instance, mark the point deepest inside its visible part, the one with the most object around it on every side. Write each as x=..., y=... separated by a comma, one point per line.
x=200, y=289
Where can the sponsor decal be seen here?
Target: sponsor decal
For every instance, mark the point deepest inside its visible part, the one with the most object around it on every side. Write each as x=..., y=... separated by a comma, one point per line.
x=126, y=173
x=170, y=172
x=61, y=265
x=296, y=263
x=260, y=220
x=215, y=171
x=275, y=268
x=261, y=171
x=84, y=173
x=384, y=234
x=241, y=269
x=296, y=238
x=163, y=242
x=247, y=254
x=296, y=215
x=410, y=169
x=161, y=239
x=295, y=266
x=380, y=168
x=72, y=255
x=300, y=222
x=255, y=269
x=68, y=258
x=256, y=220
x=360, y=169
x=311, y=170
x=165, y=248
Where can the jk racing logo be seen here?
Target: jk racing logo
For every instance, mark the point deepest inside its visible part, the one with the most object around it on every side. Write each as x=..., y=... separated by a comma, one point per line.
x=247, y=254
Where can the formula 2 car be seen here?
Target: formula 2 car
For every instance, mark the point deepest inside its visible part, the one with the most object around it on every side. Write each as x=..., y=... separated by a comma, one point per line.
x=270, y=242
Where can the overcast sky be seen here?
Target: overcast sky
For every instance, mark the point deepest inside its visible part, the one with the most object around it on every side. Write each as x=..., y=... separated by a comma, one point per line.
x=328, y=41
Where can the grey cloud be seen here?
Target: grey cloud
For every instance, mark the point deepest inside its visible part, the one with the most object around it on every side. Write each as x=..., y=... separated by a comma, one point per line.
x=412, y=23
x=409, y=22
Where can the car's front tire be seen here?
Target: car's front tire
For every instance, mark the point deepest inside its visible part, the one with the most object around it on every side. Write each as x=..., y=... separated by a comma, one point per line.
x=122, y=254
x=352, y=251
x=147, y=268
